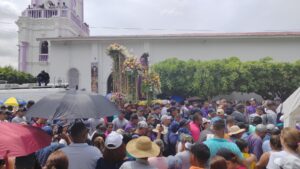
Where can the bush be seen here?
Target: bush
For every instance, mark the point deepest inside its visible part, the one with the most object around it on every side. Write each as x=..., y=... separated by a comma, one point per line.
x=217, y=77
x=11, y=75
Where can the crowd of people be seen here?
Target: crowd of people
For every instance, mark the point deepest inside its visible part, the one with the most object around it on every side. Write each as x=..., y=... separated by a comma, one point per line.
x=167, y=135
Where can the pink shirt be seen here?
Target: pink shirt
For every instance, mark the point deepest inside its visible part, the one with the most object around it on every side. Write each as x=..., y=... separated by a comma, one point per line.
x=158, y=162
x=195, y=130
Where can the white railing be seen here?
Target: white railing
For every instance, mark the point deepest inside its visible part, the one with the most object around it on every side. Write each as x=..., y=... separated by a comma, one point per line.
x=45, y=13
x=43, y=57
x=56, y=12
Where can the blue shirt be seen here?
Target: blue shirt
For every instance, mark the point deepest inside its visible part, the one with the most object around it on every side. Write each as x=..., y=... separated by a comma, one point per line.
x=215, y=144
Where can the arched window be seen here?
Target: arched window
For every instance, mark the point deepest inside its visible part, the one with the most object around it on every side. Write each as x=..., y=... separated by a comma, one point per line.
x=44, y=47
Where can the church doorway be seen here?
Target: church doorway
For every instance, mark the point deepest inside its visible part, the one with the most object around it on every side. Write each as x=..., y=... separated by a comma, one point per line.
x=73, y=78
x=109, y=84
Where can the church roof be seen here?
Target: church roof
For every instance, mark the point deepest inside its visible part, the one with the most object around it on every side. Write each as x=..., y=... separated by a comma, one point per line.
x=183, y=36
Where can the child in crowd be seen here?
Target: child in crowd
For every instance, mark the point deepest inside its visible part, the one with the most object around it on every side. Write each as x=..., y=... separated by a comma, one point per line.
x=243, y=146
x=231, y=159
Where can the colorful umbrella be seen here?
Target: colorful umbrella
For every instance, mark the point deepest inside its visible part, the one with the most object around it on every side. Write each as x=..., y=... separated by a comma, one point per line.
x=21, y=140
x=12, y=101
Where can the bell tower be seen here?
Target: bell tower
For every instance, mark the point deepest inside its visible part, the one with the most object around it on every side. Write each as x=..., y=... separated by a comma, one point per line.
x=43, y=19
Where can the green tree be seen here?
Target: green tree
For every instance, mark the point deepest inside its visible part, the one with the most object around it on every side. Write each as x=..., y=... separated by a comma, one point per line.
x=216, y=77
x=11, y=75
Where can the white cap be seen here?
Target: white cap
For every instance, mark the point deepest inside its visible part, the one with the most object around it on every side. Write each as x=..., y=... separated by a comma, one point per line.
x=142, y=124
x=114, y=140
x=164, y=117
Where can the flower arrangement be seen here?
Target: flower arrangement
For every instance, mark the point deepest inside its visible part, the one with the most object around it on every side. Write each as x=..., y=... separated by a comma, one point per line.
x=151, y=83
x=131, y=65
x=117, y=97
x=114, y=49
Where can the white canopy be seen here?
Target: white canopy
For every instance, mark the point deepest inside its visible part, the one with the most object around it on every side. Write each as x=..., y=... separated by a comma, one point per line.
x=291, y=109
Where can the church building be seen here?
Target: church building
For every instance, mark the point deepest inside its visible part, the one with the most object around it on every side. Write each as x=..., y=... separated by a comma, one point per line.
x=54, y=37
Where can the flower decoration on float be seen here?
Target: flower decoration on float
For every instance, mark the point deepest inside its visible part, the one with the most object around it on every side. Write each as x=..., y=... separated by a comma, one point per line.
x=115, y=49
x=131, y=65
x=118, y=97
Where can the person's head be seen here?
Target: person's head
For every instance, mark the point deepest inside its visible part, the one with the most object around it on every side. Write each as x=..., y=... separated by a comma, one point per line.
x=2, y=115
x=243, y=126
x=174, y=127
x=199, y=155
x=271, y=105
x=230, y=121
x=173, y=111
x=122, y=115
x=150, y=120
x=277, y=101
x=142, y=148
x=240, y=108
x=206, y=105
x=223, y=103
x=109, y=127
x=20, y=112
x=220, y=113
x=218, y=162
x=260, y=110
x=41, y=121
x=142, y=128
x=235, y=132
x=30, y=103
x=197, y=119
x=114, y=148
x=256, y=121
x=243, y=145
x=166, y=120
x=261, y=130
x=157, y=109
x=178, y=118
x=230, y=157
x=26, y=162
x=218, y=127
x=3, y=108
x=290, y=139
x=253, y=102
x=134, y=119
x=57, y=160
x=275, y=142
x=161, y=146
x=79, y=132
x=98, y=142
x=205, y=123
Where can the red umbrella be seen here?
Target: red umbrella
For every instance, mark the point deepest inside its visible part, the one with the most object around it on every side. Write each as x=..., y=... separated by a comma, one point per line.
x=20, y=140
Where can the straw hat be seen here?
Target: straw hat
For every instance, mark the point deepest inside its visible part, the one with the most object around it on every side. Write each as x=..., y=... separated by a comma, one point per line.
x=235, y=130
x=156, y=130
x=142, y=147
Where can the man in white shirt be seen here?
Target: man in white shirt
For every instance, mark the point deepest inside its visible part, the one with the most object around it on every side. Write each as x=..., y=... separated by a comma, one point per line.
x=120, y=122
x=79, y=153
x=20, y=118
x=2, y=116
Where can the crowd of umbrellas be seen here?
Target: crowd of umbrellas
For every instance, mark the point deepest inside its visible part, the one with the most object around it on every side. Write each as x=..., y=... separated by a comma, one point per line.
x=21, y=140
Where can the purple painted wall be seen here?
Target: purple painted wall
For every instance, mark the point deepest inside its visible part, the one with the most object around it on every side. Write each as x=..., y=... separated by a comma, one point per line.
x=23, y=52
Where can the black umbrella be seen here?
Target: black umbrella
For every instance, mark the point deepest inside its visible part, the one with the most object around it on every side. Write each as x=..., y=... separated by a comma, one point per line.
x=72, y=105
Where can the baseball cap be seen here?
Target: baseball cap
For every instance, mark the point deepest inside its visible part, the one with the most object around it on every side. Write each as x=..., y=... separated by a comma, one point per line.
x=261, y=128
x=142, y=124
x=165, y=117
x=113, y=141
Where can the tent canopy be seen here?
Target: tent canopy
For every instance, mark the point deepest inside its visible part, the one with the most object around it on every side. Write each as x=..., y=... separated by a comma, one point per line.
x=291, y=109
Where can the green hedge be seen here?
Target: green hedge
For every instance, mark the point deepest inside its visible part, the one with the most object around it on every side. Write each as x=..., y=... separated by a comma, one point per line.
x=216, y=77
x=11, y=75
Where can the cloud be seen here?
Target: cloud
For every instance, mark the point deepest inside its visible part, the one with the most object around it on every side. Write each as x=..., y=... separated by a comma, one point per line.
x=8, y=10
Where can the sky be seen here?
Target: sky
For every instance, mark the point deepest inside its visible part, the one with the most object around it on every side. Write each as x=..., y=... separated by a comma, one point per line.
x=119, y=17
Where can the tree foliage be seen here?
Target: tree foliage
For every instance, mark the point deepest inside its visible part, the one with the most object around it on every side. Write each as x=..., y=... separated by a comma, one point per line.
x=11, y=75
x=216, y=77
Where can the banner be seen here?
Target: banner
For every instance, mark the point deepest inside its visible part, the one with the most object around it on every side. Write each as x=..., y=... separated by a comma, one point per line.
x=94, y=77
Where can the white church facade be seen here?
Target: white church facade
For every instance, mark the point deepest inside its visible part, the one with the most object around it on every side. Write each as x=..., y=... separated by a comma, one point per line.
x=53, y=37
